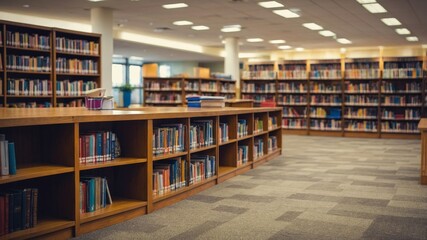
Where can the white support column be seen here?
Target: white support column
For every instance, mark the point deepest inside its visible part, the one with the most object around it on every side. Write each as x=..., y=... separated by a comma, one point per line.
x=231, y=61
x=102, y=22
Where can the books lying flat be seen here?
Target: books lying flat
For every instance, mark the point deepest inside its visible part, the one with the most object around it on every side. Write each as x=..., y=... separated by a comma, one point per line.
x=205, y=101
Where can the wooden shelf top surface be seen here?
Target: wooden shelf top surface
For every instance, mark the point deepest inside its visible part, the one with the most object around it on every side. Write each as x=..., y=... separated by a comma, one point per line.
x=423, y=124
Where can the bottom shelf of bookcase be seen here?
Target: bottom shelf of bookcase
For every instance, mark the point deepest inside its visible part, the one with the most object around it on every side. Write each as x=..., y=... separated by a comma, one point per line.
x=362, y=134
x=401, y=135
x=295, y=131
x=52, y=228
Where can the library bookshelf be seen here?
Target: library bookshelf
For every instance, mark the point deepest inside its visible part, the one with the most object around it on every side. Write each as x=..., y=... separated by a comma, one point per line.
x=172, y=91
x=52, y=155
x=47, y=67
x=374, y=98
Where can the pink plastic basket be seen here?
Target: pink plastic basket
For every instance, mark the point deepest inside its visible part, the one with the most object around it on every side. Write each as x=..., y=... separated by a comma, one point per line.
x=94, y=103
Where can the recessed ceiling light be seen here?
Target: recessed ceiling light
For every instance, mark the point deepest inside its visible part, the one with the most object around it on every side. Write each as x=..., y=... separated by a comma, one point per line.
x=366, y=1
x=231, y=28
x=326, y=33
x=26, y=5
x=391, y=21
x=182, y=23
x=200, y=28
x=284, y=47
x=299, y=49
x=95, y=0
x=134, y=0
x=374, y=8
x=312, y=26
x=277, y=41
x=412, y=39
x=286, y=13
x=175, y=5
x=403, y=31
x=255, y=40
x=270, y=4
x=343, y=41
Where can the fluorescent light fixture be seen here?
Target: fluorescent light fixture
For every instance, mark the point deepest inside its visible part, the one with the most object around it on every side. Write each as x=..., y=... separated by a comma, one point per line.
x=284, y=47
x=326, y=33
x=175, y=5
x=374, y=8
x=412, y=39
x=366, y=1
x=391, y=21
x=312, y=26
x=299, y=49
x=277, y=41
x=231, y=28
x=200, y=28
x=95, y=0
x=270, y=4
x=182, y=23
x=286, y=13
x=255, y=40
x=343, y=41
x=403, y=31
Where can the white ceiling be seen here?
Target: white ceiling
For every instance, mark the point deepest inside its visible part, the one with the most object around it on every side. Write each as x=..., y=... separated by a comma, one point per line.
x=347, y=18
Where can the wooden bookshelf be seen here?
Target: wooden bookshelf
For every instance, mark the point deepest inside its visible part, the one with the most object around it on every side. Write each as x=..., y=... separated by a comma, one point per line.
x=48, y=84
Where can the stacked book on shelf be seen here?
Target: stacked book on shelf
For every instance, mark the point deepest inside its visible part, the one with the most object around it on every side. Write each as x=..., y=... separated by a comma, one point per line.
x=242, y=128
x=258, y=148
x=27, y=40
x=74, y=87
x=76, y=66
x=272, y=143
x=98, y=147
x=205, y=101
x=94, y=194
x=29, y=87
x=201, y=133
x=28, y=63
x=169, y=175
x=272, y=122
x=223, y=132
x=79, y=46
x=7, y=156
x=242, y=155
x=258, y=125
x=168, y=138
x=201, y=167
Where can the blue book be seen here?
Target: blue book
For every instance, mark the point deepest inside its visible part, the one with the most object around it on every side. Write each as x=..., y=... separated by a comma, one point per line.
x=12, y=158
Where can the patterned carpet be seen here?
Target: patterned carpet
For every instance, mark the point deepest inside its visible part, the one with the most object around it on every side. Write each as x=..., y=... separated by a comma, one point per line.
x=321, y=188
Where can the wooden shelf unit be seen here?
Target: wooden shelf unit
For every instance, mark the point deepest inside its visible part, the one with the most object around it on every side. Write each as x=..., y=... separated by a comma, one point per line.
x=47, y=143
x=358, y=84
x=17, y=80
x=172, y=91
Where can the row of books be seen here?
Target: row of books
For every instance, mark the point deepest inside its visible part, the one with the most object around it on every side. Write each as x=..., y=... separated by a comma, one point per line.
x=292, y=87
x=192, y=86
x=242, y=128
x=371, y=87
x=360, y=112
x=18, y=210
x=298, y=73
x=260, y=98
x=407, y=114
x=367, y=73
x=223, y=132
x=98, y=147
x=25, y=87
x=242, y=155
x=72, y=103
x=169, y=175
x=329, y=99
x=258, y=125
x=259, y=88
x=94, y=194
x=27, y=40
x=328, y=88
x=221, y=76
x=74, y=87
x=259, y=74
x=168, y=138
x=331, y=113
x=228, y=87
x=272, y=143
x=293, y=99
x=403, y=73
x=163, y=85
x=361, y=99
x=205, y=101
x=209, y=86
x=7, y=156
x=388, y=87
x=201, y=133
x=294, y=112
x=76, y=66
x=325, y=124
x=398, y=127
x=294, y=123
x=77, y=46
x=272, y=122
x=201, y=167
x=258, y=148
x=28, y=63
x=30, y=104
x=163, y=97
x=401, y=100
x=367, y=126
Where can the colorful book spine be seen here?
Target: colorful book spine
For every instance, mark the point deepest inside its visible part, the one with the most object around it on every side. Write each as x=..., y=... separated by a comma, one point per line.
x=94, y=194
x=79, y=46
x=272, y=143
x=258, y=125
x=169, y=175
x=242, y=155
x=76, y=66
x=223, y=132
x=201, y=134
x=28, y=63
x=201, y=167
x=242, y=128
x=98, y=147
x=294, y=123
x=168, y=138
x=27, y=40
x=74, y=87
x=29, y=87
x=258, y=148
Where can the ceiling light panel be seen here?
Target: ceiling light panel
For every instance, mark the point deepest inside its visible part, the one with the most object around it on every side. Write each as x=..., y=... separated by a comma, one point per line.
x=312, y=26
x=412, y=39
x=175, y=5
x=391, y=21
x=182, y=23
x=255, y=40
x=403, y=31
x=270, y=4
x=200, y=28
x=284, y=47
x=299, y=49
x=286, y=13
x=231, y=28
x=277, y=41
x=374, y=8
x=366, y=1
x=327, y=33
x=343, y=41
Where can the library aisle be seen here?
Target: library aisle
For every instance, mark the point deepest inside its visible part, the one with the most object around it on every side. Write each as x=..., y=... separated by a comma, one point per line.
x=321, y=188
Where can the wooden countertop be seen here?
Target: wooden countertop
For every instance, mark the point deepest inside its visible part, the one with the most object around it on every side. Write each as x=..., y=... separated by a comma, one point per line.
x=10, y=117
x=423, y=124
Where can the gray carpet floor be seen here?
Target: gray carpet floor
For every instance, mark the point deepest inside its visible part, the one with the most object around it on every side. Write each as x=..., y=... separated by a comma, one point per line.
x=320, y=188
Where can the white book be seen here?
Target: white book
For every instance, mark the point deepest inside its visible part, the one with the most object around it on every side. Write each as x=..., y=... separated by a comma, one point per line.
x=4, y=157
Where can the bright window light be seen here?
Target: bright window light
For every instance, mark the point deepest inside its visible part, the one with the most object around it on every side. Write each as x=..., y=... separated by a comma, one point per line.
x=299, y=49
x=412, y=39
x=277, y=41
x=200, y=28
x=182, y=23
x=326, y=33
x=403, y=31
x=175, y=5
x=286, y=13
x=374, y=8
x=231, y=28
x=391, y=21
x=255, y=40
x=343, y=41
x=284, y=47
x=270, y=4
x=312, y=26
x=366, y=1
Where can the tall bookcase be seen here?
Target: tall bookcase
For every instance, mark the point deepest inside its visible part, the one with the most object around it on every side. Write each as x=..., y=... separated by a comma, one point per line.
x=53, y=149
x=172, y=91
x=47, y=67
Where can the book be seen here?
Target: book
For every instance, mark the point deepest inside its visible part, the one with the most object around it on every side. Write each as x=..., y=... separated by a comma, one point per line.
x=4, y=157
x=12, y=158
